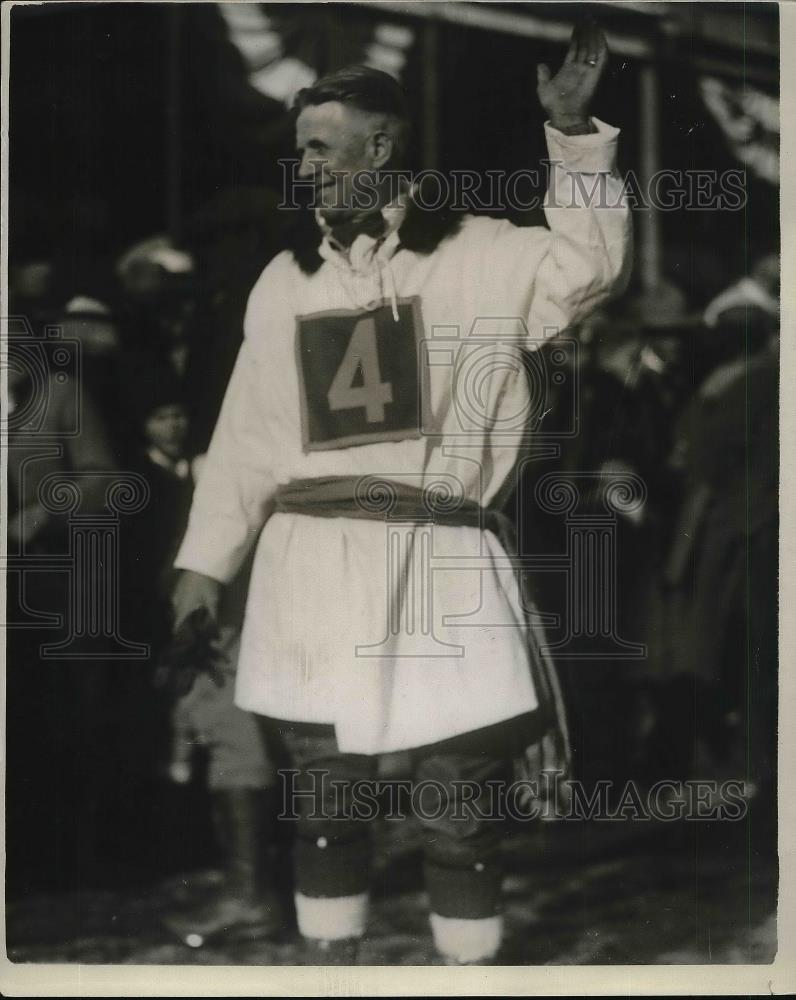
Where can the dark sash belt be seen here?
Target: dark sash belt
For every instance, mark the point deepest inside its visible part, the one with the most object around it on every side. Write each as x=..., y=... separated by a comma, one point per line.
x=374, y=498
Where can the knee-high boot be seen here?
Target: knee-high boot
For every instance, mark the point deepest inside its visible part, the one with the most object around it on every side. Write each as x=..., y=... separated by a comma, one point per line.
x=247, y=902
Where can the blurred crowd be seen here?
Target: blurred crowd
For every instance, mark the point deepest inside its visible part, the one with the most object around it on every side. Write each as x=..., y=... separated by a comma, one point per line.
x=682, y=397
x=111, y=779
x=148, y=339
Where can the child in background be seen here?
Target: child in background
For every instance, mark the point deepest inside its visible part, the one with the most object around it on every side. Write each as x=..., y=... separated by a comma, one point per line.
x=241, y=778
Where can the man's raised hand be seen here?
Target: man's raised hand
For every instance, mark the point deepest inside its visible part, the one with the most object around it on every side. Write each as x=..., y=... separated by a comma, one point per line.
x=567, y=96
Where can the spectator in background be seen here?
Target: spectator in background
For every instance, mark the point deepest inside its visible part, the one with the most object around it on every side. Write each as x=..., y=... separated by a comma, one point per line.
x=161, y=456
x=157, y=428
x=240, y=777
x=740, y=320
x=146, y=267
x=183, y=306
x=46, y=405
x=722, y=566
x=57, y=708
x=232, y=237
x=159, y=309
x=161, y=422
x=158, y=296
x=627, y=396
x=241, y=780
x=90, y=322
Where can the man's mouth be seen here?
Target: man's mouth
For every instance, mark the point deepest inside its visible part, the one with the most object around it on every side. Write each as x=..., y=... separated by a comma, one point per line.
x=320, y=191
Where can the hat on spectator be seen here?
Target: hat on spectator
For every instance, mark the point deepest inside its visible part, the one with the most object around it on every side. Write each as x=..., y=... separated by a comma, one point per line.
x=732, y=306
x=153, y=266
x=90, y=321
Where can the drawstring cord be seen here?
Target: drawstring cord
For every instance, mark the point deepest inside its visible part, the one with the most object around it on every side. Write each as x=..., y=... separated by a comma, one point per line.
x=377, y=258
x=386, y=279
x=387, y=268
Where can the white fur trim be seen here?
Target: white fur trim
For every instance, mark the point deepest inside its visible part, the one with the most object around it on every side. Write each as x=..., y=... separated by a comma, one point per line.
x=332, y=919
x=466, y=941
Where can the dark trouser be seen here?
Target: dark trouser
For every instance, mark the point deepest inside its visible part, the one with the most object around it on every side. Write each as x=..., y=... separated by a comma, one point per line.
x=461, y=849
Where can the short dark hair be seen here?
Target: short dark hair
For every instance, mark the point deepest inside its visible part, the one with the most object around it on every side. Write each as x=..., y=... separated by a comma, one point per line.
x=360, y=86
x=366, y=89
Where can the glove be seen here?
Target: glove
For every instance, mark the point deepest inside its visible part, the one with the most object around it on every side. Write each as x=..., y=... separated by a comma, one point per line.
x=192, y=650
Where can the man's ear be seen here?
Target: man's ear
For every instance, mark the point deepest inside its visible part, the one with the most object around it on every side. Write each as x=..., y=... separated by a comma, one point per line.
x=380, y=149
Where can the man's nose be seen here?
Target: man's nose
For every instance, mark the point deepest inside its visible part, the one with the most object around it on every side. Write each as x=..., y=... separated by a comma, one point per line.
x=310, y=167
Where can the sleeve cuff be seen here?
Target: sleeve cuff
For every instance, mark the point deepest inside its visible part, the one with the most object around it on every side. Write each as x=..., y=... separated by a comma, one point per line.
x=215, y=548
x=594, y=153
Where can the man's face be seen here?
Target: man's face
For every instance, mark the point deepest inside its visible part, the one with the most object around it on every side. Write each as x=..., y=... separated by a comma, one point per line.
x=334, y=137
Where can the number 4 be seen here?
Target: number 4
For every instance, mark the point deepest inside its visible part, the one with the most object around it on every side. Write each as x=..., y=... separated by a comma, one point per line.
x=362, y=352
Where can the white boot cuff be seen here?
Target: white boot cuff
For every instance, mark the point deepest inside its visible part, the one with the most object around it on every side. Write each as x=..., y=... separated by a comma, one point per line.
x=466, y=941
x=331, y=919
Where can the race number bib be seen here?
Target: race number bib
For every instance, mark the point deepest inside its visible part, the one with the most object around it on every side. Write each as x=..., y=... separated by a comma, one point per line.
x=358, y=375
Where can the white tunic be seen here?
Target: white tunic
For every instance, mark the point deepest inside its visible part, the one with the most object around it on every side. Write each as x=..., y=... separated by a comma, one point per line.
x=399, y=635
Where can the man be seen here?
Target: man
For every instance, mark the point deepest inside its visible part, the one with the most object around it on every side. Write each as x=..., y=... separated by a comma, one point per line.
x=333, y=393
x=721, y=569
